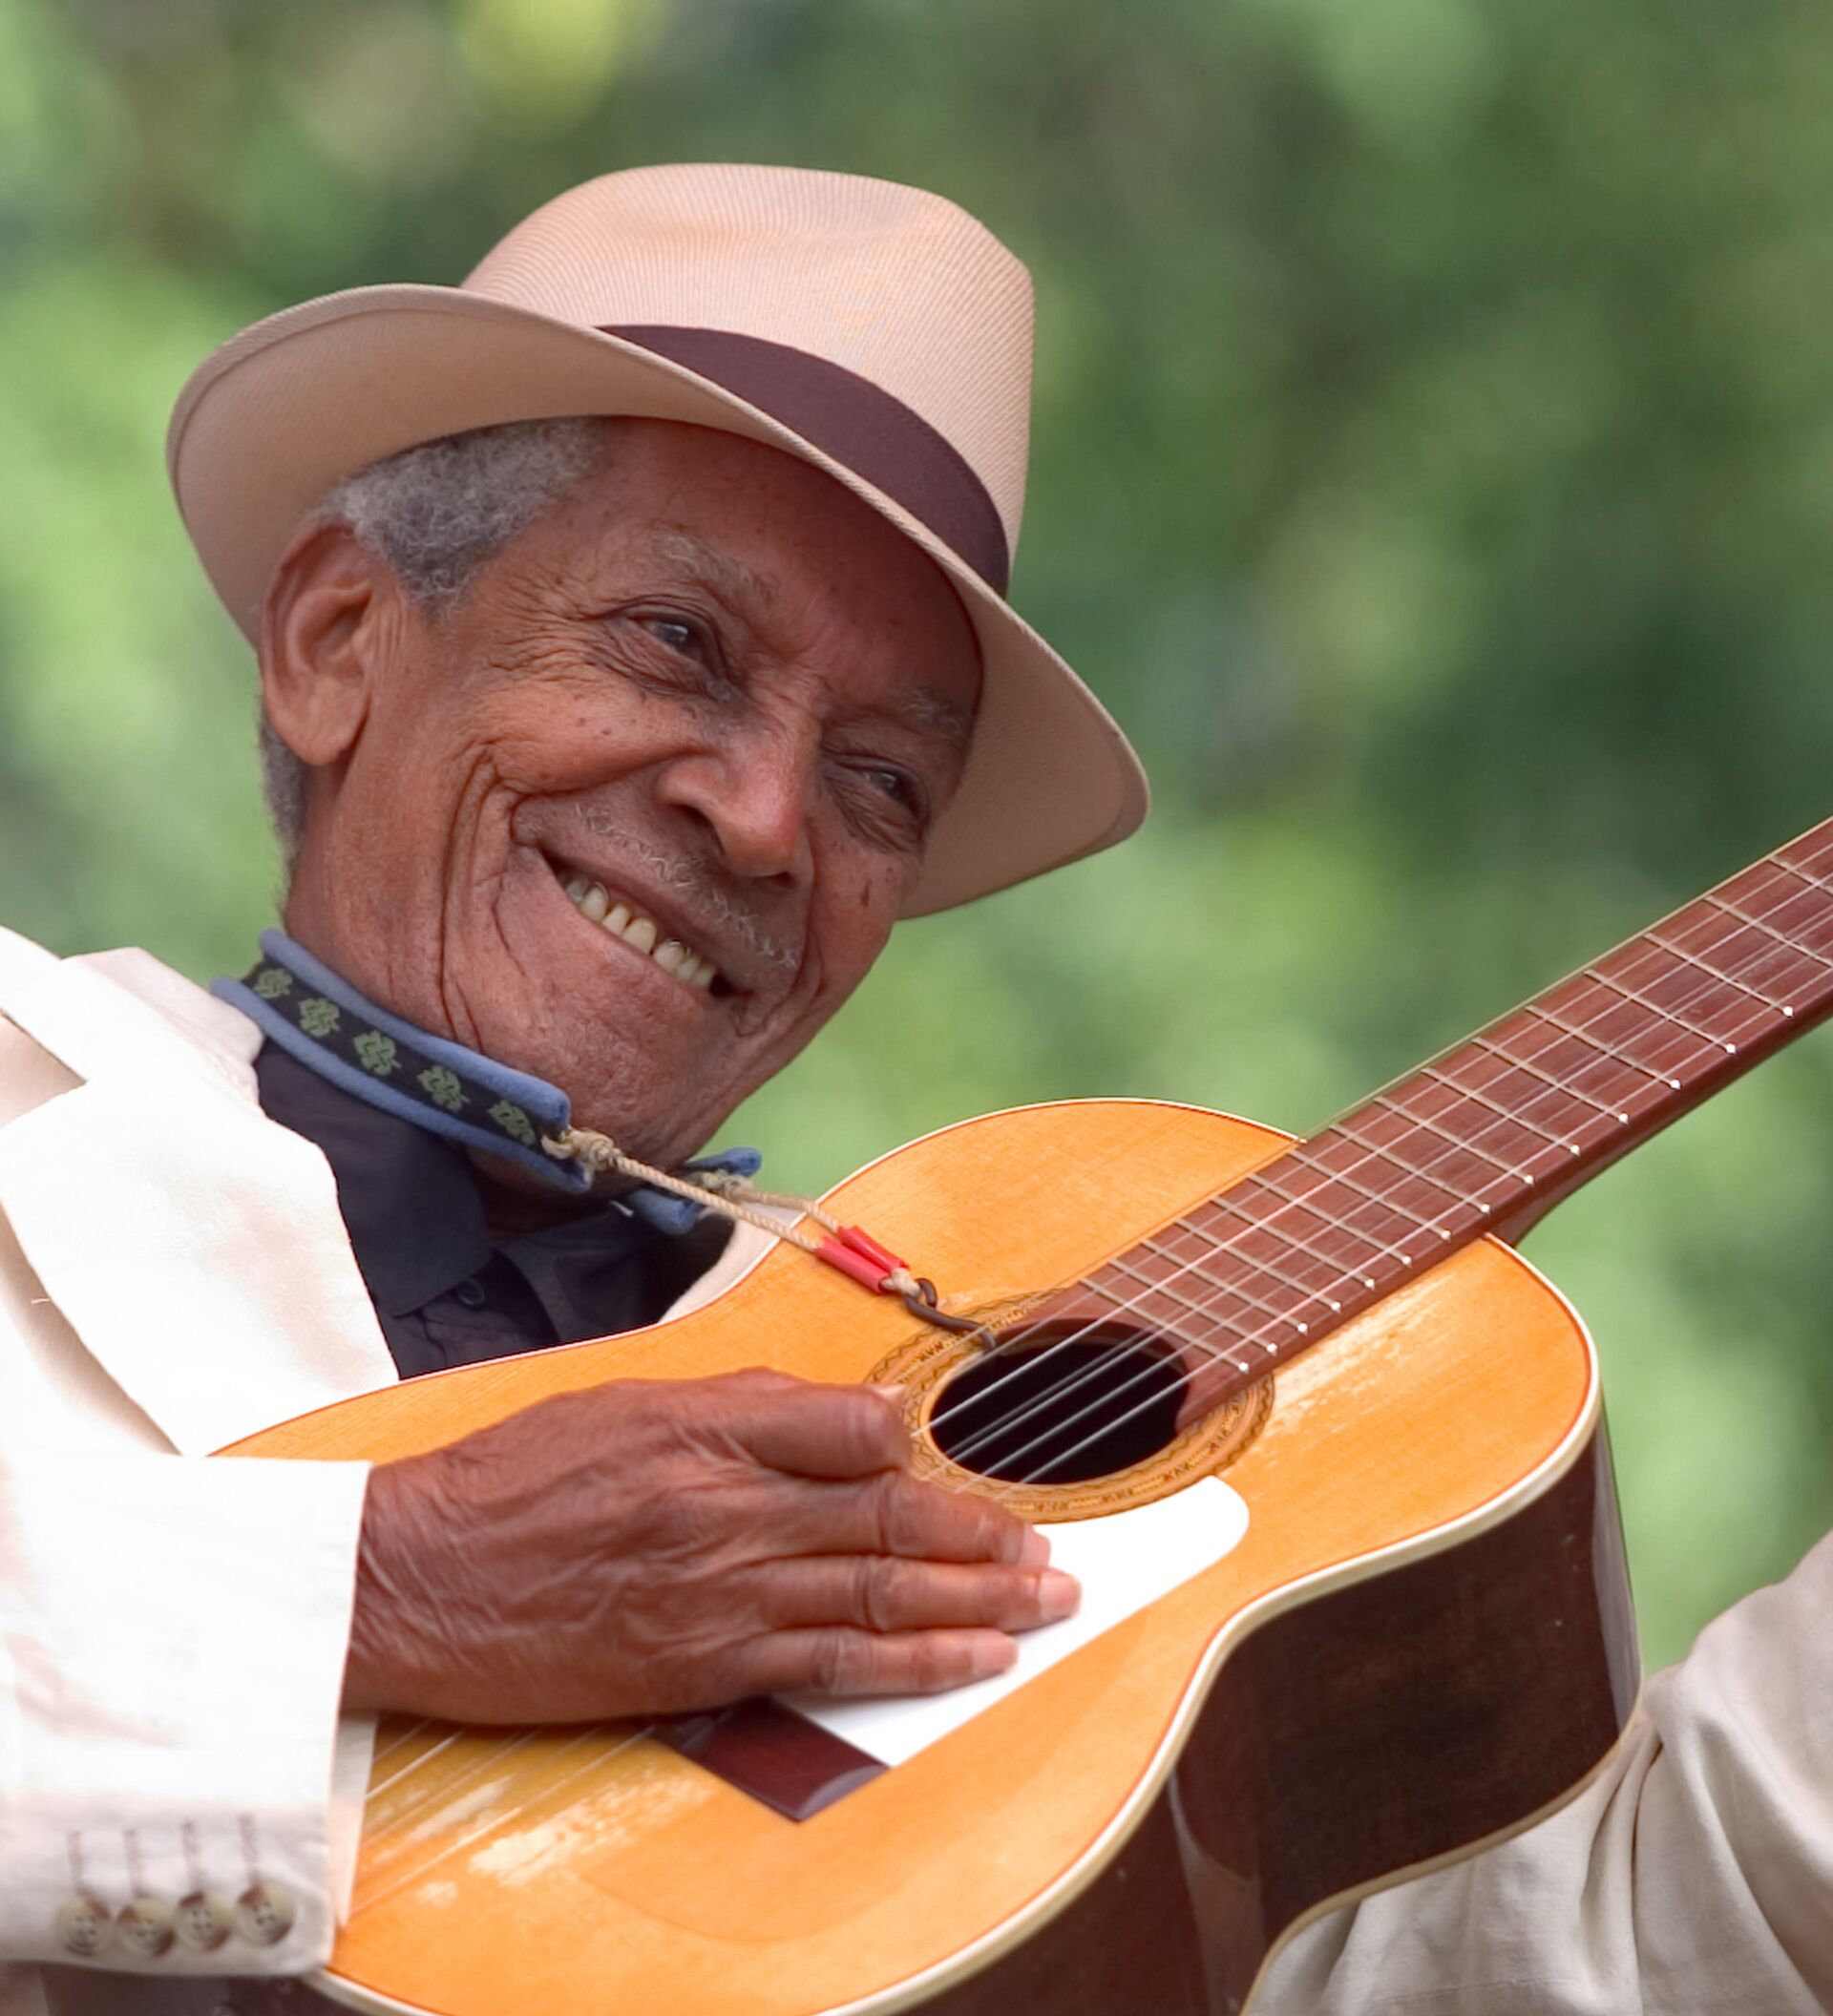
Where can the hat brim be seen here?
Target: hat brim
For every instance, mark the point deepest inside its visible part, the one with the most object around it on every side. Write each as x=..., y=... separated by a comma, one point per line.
x=290, y=407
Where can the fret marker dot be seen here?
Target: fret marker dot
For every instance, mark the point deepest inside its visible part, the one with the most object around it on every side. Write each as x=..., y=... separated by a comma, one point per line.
x=1674, y=1084
x=1304, y=1331
x=1484, y=1208
x=1730, y=1049
x=1528, y=1178
x=1624, y=1118
x=1368, y=1281
x=1406, y=1260
x=1788, y=1011
x=1336, y=1306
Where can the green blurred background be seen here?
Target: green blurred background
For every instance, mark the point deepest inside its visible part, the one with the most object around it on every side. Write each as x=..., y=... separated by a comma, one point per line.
x=1434, y=469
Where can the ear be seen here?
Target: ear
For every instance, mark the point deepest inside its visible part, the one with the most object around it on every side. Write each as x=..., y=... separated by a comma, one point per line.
x=329, y=624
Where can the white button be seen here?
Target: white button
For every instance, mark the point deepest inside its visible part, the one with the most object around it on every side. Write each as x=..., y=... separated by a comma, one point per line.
x=203, y=1920
x=145, y=1928
x=264, y=1913
x=85, y=1926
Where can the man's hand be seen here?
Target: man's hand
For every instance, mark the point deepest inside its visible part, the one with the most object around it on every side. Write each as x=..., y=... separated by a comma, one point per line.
x=643, y=1548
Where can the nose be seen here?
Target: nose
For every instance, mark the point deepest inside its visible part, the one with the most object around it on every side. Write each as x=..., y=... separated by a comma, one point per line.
x=753, y=795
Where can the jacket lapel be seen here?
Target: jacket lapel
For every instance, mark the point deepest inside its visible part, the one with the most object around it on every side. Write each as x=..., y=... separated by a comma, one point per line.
x=193, y=1245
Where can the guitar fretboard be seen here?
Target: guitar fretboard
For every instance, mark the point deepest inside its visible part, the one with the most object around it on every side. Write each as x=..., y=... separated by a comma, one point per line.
x=1484, y=1136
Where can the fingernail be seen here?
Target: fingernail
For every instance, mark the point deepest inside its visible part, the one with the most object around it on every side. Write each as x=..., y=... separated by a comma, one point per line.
x=993, y=1654
x=1035, y=1550
x=1059, y=1595
x=893, y=1393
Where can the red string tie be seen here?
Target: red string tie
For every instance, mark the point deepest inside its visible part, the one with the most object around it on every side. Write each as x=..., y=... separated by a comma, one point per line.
x=859, y=1254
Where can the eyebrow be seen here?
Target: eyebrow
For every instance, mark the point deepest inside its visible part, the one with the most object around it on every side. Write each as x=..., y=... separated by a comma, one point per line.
x=922, y=708
x=934, y=713
x=722, y=572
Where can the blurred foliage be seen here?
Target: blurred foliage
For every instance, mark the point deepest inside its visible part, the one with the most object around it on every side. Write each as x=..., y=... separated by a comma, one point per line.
x=1434, y=466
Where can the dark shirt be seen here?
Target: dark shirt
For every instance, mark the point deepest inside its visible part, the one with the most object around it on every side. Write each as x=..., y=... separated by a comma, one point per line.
x=446, y=1293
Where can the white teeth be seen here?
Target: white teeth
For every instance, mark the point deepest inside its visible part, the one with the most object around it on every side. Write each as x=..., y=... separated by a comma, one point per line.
x=592, y=900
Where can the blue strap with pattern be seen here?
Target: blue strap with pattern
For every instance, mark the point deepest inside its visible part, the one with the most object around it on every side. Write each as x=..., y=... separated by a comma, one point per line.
x=321, y=1020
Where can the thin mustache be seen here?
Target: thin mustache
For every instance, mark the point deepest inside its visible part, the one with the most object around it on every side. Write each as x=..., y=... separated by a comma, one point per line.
x=700, y=891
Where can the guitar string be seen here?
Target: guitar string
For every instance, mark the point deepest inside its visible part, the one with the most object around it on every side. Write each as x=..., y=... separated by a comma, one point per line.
x=1157, y=1372
x=406, y=1770
x=1606, y=1053
x=1053, y=1398
x=613, y=1346
x=364, y=1900
x=396, y=1739
x=467, y=1775
x=1520, y=1118
x=1160, y=1380
x=1611, y=1055
x=1212, y=1249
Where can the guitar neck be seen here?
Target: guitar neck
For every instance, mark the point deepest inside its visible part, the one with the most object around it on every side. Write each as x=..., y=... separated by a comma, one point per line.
x=1489, y=1133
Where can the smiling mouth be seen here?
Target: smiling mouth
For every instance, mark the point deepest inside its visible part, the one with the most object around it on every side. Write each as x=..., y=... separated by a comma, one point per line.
x=616, y=917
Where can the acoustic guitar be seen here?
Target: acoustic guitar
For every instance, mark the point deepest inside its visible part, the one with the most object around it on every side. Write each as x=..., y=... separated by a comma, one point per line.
x=1421, y=1643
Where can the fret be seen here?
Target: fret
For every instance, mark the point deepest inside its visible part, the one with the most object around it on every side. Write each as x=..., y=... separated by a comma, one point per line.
x=1751, y=945
x=1597, y=1044
x=1257, y=1274
x=1224, y=1204
x=1266, y=1267
x=1209, y=1315
x=1743, y=916
x=1376, y=1197
x=1704, y=1036
x=1559, y=1084
x=1458, y=1141
x=1267, y=1183
x=1341, y=1132
x=1386, y=1198
x=1160, y=1285
x=1730, y=980
x=1186, y=1264
x=1127, y=1306
x=1520, y=1120
x=1813, y=881
x=1775, y=924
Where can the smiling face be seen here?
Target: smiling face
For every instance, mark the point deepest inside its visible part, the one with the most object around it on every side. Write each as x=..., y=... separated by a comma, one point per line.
x=639, y=814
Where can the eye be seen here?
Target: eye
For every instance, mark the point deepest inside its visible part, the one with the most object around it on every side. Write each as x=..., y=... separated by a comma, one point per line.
x=883, y=802
x=899, y=786
x=678, y=634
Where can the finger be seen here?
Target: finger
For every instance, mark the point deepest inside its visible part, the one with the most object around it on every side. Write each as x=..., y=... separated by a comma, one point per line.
x=813, y=1431
x=839, y=1661
x=892, y=1513
x=882, y=1593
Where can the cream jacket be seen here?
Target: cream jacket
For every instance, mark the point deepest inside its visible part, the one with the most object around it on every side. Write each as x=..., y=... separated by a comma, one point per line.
x=175, y=1274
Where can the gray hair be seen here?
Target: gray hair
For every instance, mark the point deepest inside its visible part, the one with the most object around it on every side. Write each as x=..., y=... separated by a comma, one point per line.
x=436, y=513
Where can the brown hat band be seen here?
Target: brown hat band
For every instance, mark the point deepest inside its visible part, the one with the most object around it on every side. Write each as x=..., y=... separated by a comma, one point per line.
x=856, y=422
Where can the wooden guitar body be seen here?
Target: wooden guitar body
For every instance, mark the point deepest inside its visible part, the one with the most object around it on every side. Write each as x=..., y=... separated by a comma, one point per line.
x=1423, y=1641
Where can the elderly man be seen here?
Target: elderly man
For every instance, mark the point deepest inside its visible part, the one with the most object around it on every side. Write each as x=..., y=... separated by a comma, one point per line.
x=606, y=752
x=633, y=655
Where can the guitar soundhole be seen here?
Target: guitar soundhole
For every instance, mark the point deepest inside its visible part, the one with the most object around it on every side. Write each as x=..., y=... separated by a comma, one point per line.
x=1072, y=1404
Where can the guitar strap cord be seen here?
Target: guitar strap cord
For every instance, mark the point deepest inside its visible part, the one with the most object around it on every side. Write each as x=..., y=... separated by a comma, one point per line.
x=846, y=1248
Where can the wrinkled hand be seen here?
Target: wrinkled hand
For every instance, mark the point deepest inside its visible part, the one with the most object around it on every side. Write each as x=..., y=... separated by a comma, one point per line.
x=645, y=1548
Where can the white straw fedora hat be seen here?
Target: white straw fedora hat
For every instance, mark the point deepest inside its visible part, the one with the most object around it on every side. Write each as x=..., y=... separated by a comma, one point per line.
x=879, y=332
